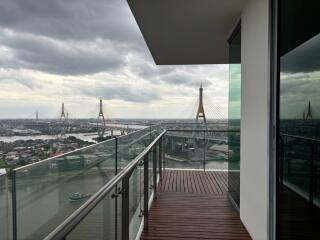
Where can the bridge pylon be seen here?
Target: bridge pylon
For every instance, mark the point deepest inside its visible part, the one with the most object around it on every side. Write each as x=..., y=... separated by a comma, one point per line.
x=101, y=128
x=63, y=121
x=308, y=115
x=63, y=114
x=200, y=111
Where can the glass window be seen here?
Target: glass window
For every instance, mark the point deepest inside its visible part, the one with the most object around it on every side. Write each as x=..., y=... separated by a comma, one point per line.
x=299, y=121
x=234, y=115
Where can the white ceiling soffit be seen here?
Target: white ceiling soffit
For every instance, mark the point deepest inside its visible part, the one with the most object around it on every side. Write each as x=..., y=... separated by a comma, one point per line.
x=187, y=31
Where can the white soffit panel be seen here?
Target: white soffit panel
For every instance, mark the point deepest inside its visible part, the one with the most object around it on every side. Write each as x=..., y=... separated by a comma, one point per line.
x=187, y=31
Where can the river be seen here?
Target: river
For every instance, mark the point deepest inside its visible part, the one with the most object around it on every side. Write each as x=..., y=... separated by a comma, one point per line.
x=46, y=203
x=83, y=136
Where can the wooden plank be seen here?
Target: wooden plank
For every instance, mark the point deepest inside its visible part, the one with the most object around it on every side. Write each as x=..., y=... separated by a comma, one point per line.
x=223, y=180
x=184, y=182
x=168, y=181
x=181, y=215
x=201, y=183
x=194, y=181
x=205, y=182
x=194, y=205
x=217, y=180
x=197, y=186
x=192, y=184
x=212, y=183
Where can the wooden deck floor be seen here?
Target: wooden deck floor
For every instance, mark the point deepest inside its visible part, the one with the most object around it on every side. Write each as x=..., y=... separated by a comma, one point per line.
x=194, y=182
x=193, y=205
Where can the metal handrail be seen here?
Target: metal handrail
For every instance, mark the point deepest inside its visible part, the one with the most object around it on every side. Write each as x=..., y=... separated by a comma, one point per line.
x=300, y=137
x=194, y=123
x=200, y=130
x=76, y=217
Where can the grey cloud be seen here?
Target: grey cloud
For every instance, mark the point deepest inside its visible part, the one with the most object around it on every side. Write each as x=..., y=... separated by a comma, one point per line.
x=22, y=80
x=72, y=19
x=296, y=91
x=29, y=83
x=175, y=75
x=300, y=85
x=85, y=37
x=64, y=58
x=74, y=37
x=120, y=92
x=81, y=37
x=183, y=78
x=305, y=58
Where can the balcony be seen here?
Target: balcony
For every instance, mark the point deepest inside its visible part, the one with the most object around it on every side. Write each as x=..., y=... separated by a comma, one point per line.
x=152, y=182
x=193, y=205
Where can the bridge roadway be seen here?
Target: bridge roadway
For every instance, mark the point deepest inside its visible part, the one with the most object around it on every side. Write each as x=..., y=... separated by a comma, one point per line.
x=211, y=136
x=120, y=127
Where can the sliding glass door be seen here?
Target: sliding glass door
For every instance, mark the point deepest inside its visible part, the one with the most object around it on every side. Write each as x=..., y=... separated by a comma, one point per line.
x=298, y=160
x=234, y=115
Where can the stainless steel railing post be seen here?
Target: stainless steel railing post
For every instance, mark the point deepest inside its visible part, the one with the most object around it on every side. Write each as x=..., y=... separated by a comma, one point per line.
x=164, y=150
x=116, y=192
x=204, y=150
x=14, y=206
x=125, y=207
x=154, y=168
x=146, y=190
x=116, y=155
x=160, y=159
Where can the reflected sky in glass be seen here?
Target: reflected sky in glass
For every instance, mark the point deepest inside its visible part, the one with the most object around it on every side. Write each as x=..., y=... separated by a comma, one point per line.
x=300, y=80
x=234, y=91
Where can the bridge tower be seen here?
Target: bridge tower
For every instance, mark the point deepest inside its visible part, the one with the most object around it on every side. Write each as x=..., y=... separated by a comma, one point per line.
x=200, y=112
x=308, y=115
x=63, y=115
x=101, y=127
x=63, y=121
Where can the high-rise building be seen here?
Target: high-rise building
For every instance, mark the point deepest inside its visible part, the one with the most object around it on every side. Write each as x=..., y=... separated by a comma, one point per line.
x=156, y=183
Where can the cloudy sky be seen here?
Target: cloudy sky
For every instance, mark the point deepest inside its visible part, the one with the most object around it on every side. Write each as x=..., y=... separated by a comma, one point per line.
x=300, y=80
x=75, y=51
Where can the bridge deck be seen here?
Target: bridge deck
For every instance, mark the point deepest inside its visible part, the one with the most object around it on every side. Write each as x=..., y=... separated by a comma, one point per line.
x=193, y=205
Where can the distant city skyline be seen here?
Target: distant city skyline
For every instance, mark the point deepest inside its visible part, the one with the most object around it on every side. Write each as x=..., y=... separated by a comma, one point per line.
x=77, y=51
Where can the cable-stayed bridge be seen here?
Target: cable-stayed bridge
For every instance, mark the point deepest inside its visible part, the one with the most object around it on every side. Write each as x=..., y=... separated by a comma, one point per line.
x=202, y=112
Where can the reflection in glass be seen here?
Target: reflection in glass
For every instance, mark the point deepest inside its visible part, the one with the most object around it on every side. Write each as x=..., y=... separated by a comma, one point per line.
x=196, y=150
x=136, y=185
x=299, y=125
x=53, y=189
x=4, y=207
x=100, y=223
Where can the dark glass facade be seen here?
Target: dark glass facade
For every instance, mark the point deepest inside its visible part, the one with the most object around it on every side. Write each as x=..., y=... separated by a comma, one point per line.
x=234, y=115
x=298, y=199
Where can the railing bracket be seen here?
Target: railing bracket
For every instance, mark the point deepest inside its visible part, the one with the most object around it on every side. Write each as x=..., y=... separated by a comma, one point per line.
x=141, y=214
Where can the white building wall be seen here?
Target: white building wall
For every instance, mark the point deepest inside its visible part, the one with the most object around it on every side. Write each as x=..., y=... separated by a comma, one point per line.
x=254, y=119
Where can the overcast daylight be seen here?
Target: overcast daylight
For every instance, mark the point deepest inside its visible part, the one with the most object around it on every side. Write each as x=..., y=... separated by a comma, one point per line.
x=78, y=51
x=159, y=119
